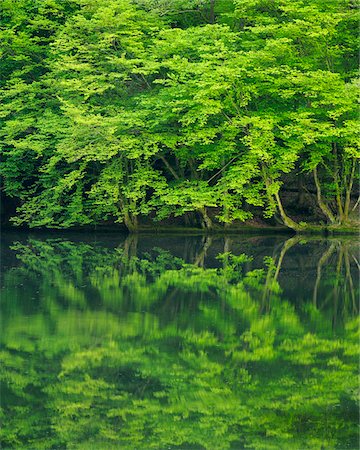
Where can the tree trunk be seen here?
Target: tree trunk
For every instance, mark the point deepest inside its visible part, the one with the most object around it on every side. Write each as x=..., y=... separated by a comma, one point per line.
x=285, y=218
x=170, y=169
x=348, y=193
x=131, y=222
x=301, y=191
x=206, y=222
x=212, y=11
x=187, y=220
x=340, y=218
x=324, y=208
x=194, y=173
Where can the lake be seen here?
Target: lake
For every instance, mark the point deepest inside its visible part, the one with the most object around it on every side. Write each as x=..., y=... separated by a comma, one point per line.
x=179, y=342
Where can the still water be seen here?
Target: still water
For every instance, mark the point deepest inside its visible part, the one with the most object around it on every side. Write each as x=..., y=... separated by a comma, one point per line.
x=172, y=342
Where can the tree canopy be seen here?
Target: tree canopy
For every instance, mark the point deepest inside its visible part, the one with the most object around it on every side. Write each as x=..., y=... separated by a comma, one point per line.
x=211, y=110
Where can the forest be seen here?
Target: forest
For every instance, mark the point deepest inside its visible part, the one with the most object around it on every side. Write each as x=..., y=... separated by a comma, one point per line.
x=193, y=113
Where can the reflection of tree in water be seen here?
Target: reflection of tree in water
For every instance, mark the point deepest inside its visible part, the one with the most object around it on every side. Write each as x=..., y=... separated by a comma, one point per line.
x=124, y=348
x=341, y=287
x=338, y=276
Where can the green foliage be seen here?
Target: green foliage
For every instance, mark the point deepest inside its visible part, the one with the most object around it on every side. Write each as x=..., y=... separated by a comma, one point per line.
x=114, y=109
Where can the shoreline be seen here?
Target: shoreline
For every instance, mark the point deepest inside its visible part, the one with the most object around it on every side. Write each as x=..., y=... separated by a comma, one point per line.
x=177, y=230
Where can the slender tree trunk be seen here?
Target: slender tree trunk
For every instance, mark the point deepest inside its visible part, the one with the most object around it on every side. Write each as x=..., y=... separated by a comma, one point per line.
x=205, y=219
x=285, y=218
x=324, y=208
x=212, y=11
x=348, y=192
x=187, y=220
x=170, y=169
x=131, y=222
x=194, y=173
x=301, y=190
x=226, y=209
x=356, y=204
x=135, y=222
x=339, y=204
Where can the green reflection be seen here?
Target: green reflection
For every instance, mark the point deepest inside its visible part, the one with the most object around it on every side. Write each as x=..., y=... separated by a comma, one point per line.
x=113, y=348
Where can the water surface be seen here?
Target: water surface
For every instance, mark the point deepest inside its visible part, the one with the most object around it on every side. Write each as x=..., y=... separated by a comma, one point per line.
x=172, y=342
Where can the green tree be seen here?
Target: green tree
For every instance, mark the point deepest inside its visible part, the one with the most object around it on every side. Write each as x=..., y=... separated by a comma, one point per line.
x=27, y=123
x=210, y=110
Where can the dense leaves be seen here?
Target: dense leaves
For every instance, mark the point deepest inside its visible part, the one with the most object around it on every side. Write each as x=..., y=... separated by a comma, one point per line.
x=209, y=110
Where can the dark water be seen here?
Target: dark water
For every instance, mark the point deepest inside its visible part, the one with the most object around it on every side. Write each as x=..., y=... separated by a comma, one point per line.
x=161, y=342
